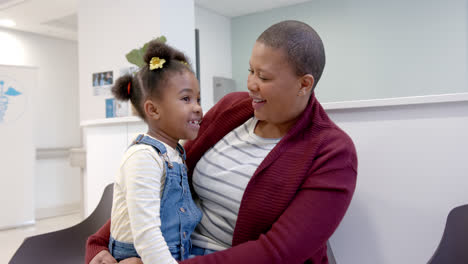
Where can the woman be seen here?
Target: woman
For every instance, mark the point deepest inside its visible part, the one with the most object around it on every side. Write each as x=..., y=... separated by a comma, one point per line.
x=274, y=175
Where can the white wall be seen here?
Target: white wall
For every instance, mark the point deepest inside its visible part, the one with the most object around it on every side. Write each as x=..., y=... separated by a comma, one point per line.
x=412, y=172
x=107, y=31
x=56, y=99
x=17, y=153
x=178, y=25
x=55, y=111
x=215, y=51
x=58, y=190
x=375, y=48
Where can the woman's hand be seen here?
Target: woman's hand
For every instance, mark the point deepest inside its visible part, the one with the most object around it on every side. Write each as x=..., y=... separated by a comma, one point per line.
x=131, y=261
x=104, y=257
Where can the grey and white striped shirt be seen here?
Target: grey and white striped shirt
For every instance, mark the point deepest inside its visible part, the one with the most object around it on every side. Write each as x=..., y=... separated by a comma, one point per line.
x=220, y=178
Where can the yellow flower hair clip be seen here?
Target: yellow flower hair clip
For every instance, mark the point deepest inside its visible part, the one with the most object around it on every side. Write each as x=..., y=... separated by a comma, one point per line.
x=156, y=63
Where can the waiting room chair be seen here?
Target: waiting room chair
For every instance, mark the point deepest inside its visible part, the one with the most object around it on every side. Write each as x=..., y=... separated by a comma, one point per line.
x=331, y=257
x=453, y=247
x=67, y=245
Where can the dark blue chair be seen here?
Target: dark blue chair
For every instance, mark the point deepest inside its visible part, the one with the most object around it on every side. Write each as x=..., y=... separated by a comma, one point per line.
x=453, y=247
x=67, y=245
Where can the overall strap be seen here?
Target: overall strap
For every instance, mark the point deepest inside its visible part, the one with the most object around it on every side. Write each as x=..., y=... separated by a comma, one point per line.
x=181, y=151
x=158, y=146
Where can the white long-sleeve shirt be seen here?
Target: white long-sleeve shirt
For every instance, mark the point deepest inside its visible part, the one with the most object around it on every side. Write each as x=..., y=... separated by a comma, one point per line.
x=136, y=205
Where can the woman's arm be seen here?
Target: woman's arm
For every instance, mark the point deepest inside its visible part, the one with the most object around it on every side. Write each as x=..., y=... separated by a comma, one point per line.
x=98, y=242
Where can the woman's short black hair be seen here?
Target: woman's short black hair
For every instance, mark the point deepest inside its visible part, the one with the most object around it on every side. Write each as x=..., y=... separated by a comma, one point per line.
x=302, y=44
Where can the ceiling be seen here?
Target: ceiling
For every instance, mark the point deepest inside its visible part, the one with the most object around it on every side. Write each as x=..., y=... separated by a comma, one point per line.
x=232, y=8
x=59, y=19
x=47, y=17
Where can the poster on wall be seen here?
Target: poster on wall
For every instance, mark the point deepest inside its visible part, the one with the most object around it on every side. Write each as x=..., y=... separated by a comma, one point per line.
x=128, y=70
x=12, y=99
x=116, y=108
x=102, y=83
x=17, y=150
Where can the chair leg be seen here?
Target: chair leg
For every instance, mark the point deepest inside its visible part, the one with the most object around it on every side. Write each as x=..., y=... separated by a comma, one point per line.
x=331, y=257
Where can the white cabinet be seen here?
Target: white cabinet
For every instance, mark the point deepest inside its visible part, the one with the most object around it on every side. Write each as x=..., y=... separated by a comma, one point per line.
x=106, y=141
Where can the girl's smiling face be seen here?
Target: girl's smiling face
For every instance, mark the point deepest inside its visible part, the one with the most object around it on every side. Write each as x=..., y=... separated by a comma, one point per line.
x=178, y=111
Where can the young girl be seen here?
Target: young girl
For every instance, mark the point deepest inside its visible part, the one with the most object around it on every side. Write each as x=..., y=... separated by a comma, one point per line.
x=153, y=214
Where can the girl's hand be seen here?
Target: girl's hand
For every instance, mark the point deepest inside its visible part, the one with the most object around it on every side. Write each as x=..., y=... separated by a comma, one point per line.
x=103, y=257
x=131, y=261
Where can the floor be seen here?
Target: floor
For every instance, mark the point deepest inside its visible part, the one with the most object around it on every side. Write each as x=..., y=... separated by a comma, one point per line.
x=11, y=239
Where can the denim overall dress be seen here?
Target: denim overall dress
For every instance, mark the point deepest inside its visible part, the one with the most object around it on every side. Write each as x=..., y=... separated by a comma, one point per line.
x=179, y=214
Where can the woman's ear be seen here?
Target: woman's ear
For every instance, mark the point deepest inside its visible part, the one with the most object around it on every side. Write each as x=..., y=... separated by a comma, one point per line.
x=151, y=110
x=307, y=84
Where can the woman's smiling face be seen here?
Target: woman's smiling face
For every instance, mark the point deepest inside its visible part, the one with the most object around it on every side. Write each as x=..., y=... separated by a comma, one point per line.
x=274, y=87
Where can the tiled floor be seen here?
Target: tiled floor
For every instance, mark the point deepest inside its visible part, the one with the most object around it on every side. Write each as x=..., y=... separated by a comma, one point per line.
x=11, y=239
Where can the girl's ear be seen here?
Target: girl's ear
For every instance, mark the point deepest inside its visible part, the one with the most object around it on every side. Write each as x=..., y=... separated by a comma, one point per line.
x=151, y=110
x=307, y=83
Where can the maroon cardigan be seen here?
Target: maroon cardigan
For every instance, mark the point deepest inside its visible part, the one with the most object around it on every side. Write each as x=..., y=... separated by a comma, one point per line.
x=296, y=197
